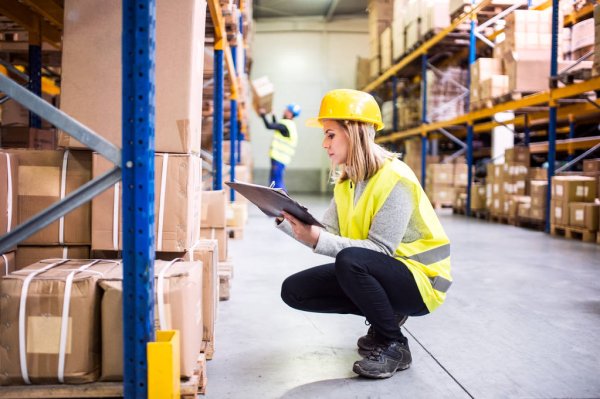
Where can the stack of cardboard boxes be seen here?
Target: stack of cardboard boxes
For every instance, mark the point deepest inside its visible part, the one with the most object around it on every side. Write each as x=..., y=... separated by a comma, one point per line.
x=380, y=19
x=440, y=184
x=573, y=202
x=445, y=93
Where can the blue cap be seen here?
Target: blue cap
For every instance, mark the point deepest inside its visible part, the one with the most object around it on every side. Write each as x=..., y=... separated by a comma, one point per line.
x=294, y=109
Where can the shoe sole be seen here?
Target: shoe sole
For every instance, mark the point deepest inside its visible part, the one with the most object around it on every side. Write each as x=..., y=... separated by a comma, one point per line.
x=363, y=373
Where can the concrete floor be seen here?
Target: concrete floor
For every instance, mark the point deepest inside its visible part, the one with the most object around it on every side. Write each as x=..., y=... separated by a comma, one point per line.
x=522, y=320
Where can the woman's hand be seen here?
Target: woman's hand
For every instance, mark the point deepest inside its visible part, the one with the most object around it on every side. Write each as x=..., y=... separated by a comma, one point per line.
x=306, y=233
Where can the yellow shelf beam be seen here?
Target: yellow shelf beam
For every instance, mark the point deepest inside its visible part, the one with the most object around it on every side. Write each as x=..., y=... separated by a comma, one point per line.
x=49, y=9
x=221, y=43
x=424, y=47
x=537, y=99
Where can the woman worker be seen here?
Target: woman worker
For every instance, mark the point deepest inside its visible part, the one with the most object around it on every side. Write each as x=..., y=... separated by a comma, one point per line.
x=392, y=256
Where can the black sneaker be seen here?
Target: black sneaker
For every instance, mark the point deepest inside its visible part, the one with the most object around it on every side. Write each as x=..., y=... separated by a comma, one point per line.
x=384, y=360
x=367, y=343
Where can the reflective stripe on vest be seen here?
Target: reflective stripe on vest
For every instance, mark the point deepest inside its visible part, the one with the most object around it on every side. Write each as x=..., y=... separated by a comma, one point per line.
x=428, y=258
x=283, y=148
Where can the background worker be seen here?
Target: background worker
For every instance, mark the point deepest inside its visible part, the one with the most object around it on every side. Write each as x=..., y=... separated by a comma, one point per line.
x=283, y=146
x=392, y=256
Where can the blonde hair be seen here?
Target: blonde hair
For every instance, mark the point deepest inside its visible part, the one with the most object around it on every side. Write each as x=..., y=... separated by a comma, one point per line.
x=365, y=158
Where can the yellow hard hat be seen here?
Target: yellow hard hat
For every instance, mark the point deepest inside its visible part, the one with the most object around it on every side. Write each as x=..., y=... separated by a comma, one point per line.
x=351, y=105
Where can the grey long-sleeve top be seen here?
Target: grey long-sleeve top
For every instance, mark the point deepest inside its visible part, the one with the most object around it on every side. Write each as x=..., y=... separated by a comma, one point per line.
x=395, y=222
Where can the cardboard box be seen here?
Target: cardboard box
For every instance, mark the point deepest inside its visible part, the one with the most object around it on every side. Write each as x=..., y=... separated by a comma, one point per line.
x=9, y=184
x=582, y=34
x=538, y=174
x=7, y=263
x=237, y=214
x=523, y=73
x=523, y=210
x=441, y=194
x=537, y=213
x=44, y=178
x=539, y=189
x=214, y=205
x=440, y=173
x=222, y=238
x=386, y=48
x=495, y=86
x=591, y=165
x=584, y=214
x=478, y=196
x=28, y=137
x=518, y=154
x=559, y=213
x=574, y=188
x=179, y=57
x=43, y=320
x=177, y=201
x=179, y=309
x=28, y=255
x=461, y=175
x=362, y=72
x=262, y=94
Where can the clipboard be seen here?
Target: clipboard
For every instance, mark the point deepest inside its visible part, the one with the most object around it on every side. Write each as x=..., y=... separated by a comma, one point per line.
x=272, y=201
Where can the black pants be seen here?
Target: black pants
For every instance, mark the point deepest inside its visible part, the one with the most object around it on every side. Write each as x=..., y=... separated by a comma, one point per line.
x=362, y=282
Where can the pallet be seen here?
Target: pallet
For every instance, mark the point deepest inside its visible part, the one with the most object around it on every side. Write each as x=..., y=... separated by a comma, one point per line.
x=571, y=77
x=189, y=388
x=459, y=210
x=440, y=205
x=502, y=219
x=208, y=349
x=534, y=224
x=512, y=96
x=483, y=214
x=576, y=233
x=598, y=238
x=235, y=233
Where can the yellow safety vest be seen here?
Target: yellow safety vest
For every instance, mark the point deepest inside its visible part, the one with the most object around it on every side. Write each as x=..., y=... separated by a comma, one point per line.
x=428, y=258
x=283, y=148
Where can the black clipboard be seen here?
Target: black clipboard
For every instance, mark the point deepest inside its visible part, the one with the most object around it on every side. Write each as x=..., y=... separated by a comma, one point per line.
x=272, y=201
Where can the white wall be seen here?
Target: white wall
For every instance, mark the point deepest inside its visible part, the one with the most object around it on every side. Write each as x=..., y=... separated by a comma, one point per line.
x=303, y=58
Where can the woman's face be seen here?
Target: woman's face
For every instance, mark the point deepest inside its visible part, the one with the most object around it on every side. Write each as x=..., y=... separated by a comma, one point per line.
x=335, y=142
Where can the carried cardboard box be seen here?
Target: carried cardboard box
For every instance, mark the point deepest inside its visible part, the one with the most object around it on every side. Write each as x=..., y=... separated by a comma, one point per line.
x=262, y=94
x=45, y=177
x=9, y=184
x=46, y=326
x=179, y=308
x=179, y=57
x=584, y=214
x=177, y=201
x=27, y=255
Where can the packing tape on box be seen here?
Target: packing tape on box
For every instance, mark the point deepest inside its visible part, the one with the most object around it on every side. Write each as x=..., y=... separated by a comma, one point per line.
x=64, y=331
x=63, y=190
x=65, y=252
x=9, y=194
x=22, y=313
x=115, y=229
x=161, y=201
x=5, y=264
x=160, y=293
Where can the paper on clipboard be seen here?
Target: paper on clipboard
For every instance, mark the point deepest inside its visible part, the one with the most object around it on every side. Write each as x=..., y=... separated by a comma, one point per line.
x=272, y=201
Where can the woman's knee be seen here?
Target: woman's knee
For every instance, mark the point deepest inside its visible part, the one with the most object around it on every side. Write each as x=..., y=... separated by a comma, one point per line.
x=288, y=294
x=346, y=261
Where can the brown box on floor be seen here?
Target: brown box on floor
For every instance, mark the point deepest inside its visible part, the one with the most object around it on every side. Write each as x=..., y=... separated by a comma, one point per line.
x=478, y=196
x=179, y=309
x=28, y=255
x=7, y=263
x=43, y=319
x=574, y=188
x=559, y=213
x=584, y=214
x=8, y=192
x=214, y=205
x=441, y=173
x=44, y=178
x=179, y=60
x=221, y=236
x=177, y=200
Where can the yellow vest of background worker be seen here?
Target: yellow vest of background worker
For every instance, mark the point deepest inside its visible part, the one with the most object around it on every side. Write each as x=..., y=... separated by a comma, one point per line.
x=428, y=258
x=283, y=148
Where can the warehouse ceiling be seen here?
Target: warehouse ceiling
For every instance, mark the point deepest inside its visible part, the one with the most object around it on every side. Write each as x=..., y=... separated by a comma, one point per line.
x=329, y=9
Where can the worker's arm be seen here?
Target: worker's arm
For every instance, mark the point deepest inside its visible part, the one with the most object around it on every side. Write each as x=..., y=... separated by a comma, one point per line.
x=275, y=126
x=387, y=229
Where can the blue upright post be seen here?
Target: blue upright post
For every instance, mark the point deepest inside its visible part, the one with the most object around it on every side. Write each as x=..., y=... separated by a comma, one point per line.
x=138, y=192
x=552, y=112
x=395, y=103
x=472, y=55
x=233, y=128
x=218, y=119
x=35, y=80
x=423, y=118
x=240, y=70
